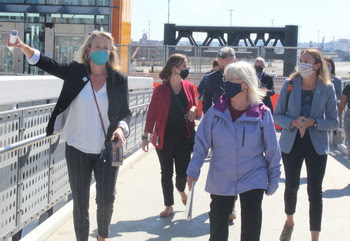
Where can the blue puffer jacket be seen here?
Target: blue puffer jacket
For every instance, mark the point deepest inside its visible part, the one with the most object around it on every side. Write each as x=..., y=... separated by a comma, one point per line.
x=245, y=153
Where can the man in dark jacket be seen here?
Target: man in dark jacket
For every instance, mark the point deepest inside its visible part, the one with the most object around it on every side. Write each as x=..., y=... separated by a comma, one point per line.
x=214, y=86
x=266, y=81
x=203, y=82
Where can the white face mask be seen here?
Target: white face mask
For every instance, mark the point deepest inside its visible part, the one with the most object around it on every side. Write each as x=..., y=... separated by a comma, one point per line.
x=305, y=69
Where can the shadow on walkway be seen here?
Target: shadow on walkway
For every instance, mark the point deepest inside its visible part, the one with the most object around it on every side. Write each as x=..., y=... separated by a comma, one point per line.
x=340, y=157
x=165, y=229
x=336, y=193
x=303, y=180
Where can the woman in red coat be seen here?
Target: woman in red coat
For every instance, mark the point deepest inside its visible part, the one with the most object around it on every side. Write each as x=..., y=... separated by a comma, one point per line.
x=170, y=119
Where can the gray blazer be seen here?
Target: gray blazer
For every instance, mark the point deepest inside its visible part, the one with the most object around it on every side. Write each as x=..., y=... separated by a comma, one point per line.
x=323, y=109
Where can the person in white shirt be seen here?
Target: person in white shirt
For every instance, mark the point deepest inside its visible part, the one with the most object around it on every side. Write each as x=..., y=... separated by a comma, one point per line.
x=92, y=110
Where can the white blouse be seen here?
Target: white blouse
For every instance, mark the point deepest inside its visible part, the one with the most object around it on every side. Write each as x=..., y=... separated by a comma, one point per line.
x=83, y=129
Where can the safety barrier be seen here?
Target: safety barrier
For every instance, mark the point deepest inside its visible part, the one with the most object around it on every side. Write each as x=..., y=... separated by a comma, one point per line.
x=32, y=165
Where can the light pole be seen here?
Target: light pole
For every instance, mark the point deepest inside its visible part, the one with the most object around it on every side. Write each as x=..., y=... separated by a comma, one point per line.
x=272, y=20
x=299, y=33
x=231, y=10
x=168, y=11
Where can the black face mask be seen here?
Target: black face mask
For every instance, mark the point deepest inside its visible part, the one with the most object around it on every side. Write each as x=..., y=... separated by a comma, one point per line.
x=258, y=69
x=184, y=73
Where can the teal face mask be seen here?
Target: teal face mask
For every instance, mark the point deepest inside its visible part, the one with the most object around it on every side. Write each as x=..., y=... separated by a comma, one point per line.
x=100, y=57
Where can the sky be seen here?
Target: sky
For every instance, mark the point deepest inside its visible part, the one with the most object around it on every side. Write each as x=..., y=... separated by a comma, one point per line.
x=316, y=19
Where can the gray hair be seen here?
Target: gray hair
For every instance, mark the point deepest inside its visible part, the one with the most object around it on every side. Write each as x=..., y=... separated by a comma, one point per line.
x=261, y=60
x=226, y=52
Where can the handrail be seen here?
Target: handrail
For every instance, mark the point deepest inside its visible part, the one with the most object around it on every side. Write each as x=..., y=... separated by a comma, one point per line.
x=29, y=141
x=26, y=142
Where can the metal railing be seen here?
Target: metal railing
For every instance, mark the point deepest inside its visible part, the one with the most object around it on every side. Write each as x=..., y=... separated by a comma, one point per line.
x=150, y=59
x=33, y=167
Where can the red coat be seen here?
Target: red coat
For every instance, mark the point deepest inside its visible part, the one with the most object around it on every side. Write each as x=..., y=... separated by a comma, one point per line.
x=158, y=110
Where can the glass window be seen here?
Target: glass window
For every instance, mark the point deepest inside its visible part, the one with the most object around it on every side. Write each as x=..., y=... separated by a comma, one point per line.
x=35, y=18
x=36, y=1
x=102, y=2
x=66, y=48
x=101, y=19
x=6, y=56
x=75, y=18
x=34, y=36
x=11, y=1
x=73, y=2
x=11, y=17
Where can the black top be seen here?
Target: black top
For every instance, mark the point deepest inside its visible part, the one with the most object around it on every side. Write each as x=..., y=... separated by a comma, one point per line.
x=176, y=123
x=306, y=102
x=346, y=91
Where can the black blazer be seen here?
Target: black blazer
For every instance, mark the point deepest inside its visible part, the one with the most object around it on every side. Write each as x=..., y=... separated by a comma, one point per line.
x=75, y=77
x=267, y=82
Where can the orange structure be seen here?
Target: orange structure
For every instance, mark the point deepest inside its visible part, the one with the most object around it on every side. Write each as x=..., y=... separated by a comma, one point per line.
x=121, y=29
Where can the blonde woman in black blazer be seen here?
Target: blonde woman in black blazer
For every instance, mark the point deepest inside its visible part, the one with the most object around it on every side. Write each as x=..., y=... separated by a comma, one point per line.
x=94, y=73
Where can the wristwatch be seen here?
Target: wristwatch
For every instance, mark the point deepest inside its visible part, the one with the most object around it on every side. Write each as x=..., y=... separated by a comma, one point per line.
x=315, y=123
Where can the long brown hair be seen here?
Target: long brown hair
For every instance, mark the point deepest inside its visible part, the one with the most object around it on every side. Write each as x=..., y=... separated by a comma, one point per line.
x=322, y=72
x=83, y=57
x=173, y=60
x=331, y=61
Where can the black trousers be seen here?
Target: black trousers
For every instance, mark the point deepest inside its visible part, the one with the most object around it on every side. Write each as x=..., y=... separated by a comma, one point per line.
x=315, y=167
x=251, y=215
x=176, y=150
x=80, y=166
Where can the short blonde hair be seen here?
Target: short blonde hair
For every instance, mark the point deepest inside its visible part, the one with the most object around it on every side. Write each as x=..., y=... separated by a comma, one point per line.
x=246, y=72
x=322, y=73
x=83, y=57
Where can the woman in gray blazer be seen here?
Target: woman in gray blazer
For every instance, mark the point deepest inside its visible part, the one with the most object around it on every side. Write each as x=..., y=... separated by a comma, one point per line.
x=306, y=110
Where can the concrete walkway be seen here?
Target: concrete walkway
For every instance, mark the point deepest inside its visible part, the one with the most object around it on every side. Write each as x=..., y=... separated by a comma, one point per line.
x=139, y=201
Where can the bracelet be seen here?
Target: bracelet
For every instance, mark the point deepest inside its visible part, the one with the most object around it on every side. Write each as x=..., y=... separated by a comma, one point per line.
x=144, y=137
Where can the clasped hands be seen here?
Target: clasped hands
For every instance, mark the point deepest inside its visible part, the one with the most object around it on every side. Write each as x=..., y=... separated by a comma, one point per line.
x=302, y=123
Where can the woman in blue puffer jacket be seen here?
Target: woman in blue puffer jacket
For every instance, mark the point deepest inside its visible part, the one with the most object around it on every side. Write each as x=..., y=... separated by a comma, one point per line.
x=246, y=156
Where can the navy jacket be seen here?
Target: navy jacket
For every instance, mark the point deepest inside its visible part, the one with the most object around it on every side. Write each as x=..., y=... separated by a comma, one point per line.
x=214, y=88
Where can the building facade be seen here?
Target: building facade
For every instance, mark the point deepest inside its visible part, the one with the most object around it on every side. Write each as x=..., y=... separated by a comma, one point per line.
x=58, y=27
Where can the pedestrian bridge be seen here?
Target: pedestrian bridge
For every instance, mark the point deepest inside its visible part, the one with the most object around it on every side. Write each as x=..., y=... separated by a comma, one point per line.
x=35, y=182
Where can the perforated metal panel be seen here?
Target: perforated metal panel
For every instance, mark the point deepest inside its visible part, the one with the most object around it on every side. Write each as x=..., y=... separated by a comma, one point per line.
x=34, y=173
x=59, y=181
x=9, y=134
x=35, y=177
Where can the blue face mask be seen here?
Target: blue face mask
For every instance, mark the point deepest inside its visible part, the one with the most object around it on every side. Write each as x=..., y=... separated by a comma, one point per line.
x=100, y=57
x=232, y=89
